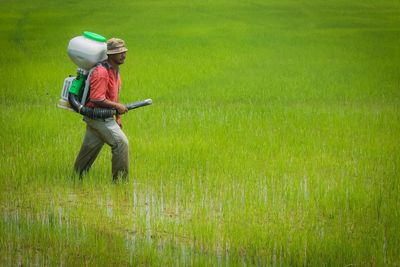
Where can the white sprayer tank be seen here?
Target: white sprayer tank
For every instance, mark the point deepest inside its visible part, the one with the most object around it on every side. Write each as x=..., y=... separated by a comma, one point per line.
x=87, y=50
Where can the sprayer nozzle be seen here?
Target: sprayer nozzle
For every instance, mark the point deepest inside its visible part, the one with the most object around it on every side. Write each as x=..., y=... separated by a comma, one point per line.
x=139, y=104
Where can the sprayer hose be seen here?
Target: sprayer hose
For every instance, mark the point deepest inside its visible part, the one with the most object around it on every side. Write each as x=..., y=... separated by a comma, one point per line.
x=101, y=113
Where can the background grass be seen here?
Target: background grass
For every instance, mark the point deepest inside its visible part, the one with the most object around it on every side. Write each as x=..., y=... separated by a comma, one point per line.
x=273, y=138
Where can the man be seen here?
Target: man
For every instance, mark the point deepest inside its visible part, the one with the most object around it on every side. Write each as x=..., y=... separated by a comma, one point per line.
x=105, y=84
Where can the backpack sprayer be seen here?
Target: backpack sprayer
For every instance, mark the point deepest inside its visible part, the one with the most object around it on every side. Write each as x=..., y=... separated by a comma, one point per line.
x=86, y=52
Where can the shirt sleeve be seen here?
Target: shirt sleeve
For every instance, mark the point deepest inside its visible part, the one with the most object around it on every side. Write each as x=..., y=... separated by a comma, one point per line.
x=98, y=84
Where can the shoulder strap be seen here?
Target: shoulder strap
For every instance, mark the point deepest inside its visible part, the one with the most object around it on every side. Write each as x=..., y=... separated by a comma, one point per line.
x=86, y=91
x=104, y=63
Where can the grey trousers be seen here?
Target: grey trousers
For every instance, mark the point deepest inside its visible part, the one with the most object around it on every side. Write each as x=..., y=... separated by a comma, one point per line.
x=98, y=132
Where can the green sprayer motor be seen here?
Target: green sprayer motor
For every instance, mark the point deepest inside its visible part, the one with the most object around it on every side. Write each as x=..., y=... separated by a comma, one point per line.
x=86, y=52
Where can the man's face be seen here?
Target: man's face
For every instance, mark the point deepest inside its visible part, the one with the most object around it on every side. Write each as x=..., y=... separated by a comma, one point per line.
x=118, y=58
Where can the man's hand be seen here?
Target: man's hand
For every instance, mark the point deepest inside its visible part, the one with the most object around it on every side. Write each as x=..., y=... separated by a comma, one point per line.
x=121, y=108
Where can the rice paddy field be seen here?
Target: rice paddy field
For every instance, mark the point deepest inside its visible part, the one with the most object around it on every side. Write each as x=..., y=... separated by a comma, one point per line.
x=273, y=139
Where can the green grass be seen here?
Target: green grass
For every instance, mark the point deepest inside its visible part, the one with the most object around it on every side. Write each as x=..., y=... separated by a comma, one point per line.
x=272, y=140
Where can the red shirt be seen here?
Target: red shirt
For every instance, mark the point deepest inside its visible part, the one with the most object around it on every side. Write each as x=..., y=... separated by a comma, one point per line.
x=104, y=84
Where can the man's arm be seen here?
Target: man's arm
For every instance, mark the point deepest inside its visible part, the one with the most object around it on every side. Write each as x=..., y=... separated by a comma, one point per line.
x=110, y=104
